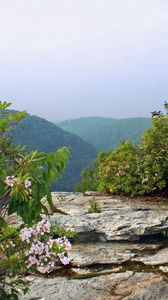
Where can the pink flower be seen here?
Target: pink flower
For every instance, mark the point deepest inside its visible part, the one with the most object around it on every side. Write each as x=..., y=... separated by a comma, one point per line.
x=37, y=248
x=11, y=181
x=64, y=259
x=42, y=253
x=27, y=184
x=32, y=261
x=63, y=241
x=43, y=269
x=68, y=245
x=43, y=226
x=26, y=234
x=14, y=181
x=50, y=242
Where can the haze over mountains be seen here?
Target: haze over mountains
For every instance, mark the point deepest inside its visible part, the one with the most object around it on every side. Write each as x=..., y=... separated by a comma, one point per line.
x=85, y=137
x=38, y=134
x=107, y=133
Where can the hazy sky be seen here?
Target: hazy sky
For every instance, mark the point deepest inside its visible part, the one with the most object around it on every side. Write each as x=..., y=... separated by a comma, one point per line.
x=64, y=59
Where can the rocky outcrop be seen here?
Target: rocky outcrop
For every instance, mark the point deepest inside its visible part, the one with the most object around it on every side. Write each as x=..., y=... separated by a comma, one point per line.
x=119, y=220
x=119, y=253
x=84, y=255
x=126, y=285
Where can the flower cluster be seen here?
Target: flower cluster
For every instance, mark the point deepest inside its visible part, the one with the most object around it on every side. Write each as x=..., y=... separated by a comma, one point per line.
x=63, y=242
x=44, y=252
x=27, y=185
x=13, y=181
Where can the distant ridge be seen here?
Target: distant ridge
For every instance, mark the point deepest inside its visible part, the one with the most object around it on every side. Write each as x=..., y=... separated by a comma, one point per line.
x=37, y=133
x=107, y=133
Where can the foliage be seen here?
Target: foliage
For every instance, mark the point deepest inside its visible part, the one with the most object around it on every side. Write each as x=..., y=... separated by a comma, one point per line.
x=94, y=207
x=133, y=169
x=37, y=133
x=25, y=180
x=29, y=249
x=88, y=182
x=44, y=252
x=37, y=168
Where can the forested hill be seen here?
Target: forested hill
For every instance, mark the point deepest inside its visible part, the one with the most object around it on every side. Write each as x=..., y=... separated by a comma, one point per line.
x=106, y=133
x=37, y=133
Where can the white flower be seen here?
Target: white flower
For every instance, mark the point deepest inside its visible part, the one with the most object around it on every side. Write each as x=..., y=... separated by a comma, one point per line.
x=27, y=184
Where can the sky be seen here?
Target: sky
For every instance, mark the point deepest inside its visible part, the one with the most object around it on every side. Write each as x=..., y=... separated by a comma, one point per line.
x=65, y=59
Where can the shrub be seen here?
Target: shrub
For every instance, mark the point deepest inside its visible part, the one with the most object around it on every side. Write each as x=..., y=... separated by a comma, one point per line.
x=25, y=180
x=133, y=170
x=93, y=207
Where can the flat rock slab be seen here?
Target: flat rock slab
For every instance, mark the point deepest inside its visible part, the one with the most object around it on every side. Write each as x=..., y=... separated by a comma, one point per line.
x=116, y=254
x=114, y=225
x=117, y=221
x=112, y=253
x=159, y=258
x=125, y=285
x=78, y=204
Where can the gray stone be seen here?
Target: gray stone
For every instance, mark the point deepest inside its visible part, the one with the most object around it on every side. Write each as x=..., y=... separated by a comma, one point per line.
x=118, y=220
x=116, y=286
x=72, y=289
x=161, y=257
x=114, y=225
x=108, y=253
x=114, y=256
x=142, y=286
x=164, y=269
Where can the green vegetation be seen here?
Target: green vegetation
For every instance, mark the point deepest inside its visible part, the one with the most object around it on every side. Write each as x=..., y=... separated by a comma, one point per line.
x=25, y=181
x=133, y=169
x=107, y=133
x=93, y=206
x=37, y=133
x=43, y=169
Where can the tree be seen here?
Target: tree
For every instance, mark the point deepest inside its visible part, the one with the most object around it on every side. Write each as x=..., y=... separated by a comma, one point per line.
x=25, y=180
x=134, y=170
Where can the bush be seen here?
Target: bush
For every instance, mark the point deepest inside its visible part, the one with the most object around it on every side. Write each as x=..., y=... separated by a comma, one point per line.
x=133, y=170
x=25, y=181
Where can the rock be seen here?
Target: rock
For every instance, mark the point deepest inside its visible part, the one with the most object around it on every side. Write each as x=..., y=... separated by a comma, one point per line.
x=164, y=269
x=62, y=288
x=118, y=220
x=143, y=287
x=93, y=254
x=117, y=254
x=124, y=285
x=96, y=271
x=107, y=253
x=161, y=257
x=92, y=193
x=114, y=225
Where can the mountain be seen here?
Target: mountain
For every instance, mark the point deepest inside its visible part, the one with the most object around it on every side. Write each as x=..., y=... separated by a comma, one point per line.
x=38, y=134
x=106, y=133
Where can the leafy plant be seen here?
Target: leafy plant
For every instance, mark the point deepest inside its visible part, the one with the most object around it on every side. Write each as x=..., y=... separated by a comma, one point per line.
x=94, y=207
x=37, y=168
x=133, y=170
x=25, y=181
x=29, y=249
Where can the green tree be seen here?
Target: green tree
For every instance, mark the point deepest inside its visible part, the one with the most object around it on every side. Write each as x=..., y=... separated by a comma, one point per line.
x=25, y=181
x=38, y=167
x=134, y=169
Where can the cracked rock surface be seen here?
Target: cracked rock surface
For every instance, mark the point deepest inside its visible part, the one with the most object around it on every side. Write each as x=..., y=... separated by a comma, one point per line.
x=119, y=253
x=126, y=285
